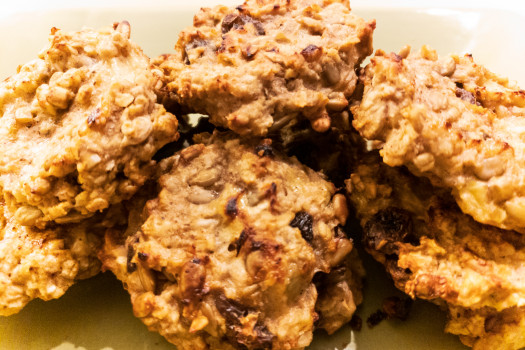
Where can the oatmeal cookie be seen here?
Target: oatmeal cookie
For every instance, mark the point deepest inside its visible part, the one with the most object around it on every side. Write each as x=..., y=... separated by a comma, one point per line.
x=433, y=251
x=453, y=121
x=256, y=67
x=225, y=256
x=43, y=263
x=79, y=126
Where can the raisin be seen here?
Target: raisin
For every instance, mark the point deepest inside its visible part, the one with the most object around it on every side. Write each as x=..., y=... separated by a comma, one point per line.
x=231, y=208
x=130, y=266
x=264, y=149
x=312, y=53
x=304, y=222
x=387, y=227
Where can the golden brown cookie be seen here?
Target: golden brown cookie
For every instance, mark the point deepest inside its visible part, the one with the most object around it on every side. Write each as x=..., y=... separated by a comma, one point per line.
x=256, y=67
x=225, y=255
x=433, y=251
x=44, y=263
x=79, y=126
x=453, y=121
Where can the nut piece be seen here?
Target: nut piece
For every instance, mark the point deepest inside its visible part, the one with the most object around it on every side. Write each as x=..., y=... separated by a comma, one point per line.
x=340, y=208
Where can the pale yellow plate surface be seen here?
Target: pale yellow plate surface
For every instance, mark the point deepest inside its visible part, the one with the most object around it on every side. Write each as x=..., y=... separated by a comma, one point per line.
x=96, y=314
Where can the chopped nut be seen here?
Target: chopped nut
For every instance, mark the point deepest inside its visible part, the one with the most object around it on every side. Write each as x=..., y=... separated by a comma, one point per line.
x=205, y=178
x=321, y=124
x=332, y=74
x=340, y=208
x=124, y=100
x=27, y=215
x=59, y=97
x=137, y=130
x=199, y=195
x=198, y=323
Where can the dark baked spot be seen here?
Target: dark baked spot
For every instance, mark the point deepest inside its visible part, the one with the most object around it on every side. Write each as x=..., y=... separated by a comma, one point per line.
x=237, y=21
x=493, y=324
x=264, y=337
x=142, y=256
x=230, y=309
x=312, y=53
x=229, y=22
x=192, y=281
x=264, y=149
x=304, y=222
x=233, y=311
x=130, y=266
x=249, y=52
x=231, y=207
x=466, y=95
x=240, y=241
x=193, y=44
x=386, y=228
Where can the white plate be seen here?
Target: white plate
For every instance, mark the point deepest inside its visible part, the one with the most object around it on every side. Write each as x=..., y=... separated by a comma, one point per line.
x=96, y=314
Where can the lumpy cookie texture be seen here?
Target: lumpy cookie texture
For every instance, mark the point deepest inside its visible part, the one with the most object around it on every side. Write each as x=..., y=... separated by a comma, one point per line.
x=435, y=252
x=256, y=67
x=79, y=126
x=43, y=263
x=225, y=256
x=453, y=121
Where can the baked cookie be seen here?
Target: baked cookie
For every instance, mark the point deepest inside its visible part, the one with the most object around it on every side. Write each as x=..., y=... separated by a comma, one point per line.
x=79, y=126
x=225, y=256
x=256, y=67
x=433, y=251
x=44, y=263
x=454, y=122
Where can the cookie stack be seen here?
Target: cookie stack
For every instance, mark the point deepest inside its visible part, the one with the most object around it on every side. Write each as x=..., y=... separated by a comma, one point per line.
x=233, y=231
